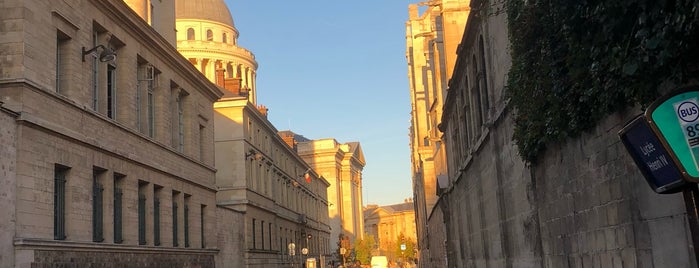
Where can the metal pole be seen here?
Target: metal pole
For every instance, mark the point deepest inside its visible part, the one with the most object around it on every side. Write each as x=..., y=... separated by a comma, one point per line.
x=691, y=197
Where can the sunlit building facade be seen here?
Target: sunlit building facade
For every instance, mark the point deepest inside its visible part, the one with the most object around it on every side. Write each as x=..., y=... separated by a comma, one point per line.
x=388, y=225
x=341, y=164
x=433, y=34
x=282, y=200
x=106, y=139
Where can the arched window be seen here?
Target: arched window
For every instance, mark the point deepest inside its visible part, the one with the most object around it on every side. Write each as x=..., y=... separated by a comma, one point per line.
x=225, y=38
x=190, y=34
x=209, y=35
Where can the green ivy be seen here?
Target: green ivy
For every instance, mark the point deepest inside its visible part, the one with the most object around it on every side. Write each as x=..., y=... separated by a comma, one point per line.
x=575, y=62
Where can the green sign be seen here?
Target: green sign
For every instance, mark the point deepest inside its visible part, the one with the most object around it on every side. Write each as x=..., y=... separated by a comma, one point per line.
x=676, y=117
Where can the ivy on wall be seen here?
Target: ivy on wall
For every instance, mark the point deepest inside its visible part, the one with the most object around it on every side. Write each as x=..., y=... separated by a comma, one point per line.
x=575, y=62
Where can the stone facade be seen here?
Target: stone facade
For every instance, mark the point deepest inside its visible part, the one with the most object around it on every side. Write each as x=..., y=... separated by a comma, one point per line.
x=583, y=204
x=341, y=164
x=102, y=155
x=431, y=39
x=262, y=177
x=387, y=223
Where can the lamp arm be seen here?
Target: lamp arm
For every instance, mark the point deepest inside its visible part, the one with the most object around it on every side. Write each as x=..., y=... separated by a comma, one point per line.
x=91, y=50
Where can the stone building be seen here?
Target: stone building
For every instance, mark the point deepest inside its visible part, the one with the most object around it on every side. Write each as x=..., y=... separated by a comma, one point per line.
x=107, y=139
x=282, y=200
x=207, y=37
x=341, y=164
x=582, y=204
x=387, y=224
x=431, y=41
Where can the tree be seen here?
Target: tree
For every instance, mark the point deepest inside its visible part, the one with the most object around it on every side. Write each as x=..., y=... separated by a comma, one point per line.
x=364, y=247
x=409, y=252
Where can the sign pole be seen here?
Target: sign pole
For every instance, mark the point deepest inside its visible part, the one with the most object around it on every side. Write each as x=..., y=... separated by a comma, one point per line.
x=691, y=198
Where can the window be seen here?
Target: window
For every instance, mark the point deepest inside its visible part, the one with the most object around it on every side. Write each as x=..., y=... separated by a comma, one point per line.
x=95, y=76
x=224, y=38
x=61, y=60
x=142, y=187
x=262, y=233
x=97, y=205
x=175, y=242
x=186, y=220
x=202, y=143
x=484, y=76
x=209, y=35
x=190, y=34
x=203, y=208
x=118, y=195
x=148, y=80
x=59, y=202
x=178, y=126
x=269, y=235
x=254, y=245
x=111, y=91
x=156, y=214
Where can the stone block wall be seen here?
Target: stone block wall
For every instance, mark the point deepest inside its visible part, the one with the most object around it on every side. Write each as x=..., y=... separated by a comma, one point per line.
x=595, y=208
x=77, y=259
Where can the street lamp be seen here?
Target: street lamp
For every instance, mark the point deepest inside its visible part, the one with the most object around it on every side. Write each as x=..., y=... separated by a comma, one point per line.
x=292, y=252
x=342, y=252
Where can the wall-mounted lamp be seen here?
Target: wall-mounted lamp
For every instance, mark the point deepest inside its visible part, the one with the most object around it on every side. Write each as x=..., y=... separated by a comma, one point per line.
x=252, y=154
x=106, y=55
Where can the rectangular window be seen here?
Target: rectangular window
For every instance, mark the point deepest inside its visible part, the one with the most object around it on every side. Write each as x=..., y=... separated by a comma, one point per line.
x=269, y=234
x=142, y=188
x=145, y=85
x=59, y=202
x=180, y=124
x=118, y=195
x=95, y=75
x=202, y=143
x=175, y=242
x=97, y=206
x=156, y=215
x=253, y=233
x=186, y=226
x=262, y=233
x=111, y=91
x=61, y=60
x=150, y=108
x=203, y=208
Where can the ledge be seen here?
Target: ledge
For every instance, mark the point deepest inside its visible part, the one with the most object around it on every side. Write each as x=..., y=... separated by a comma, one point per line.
x=62, y=245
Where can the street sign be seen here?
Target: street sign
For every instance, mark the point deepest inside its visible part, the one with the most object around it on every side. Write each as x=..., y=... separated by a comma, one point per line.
x=676, y=119
x=651, y=157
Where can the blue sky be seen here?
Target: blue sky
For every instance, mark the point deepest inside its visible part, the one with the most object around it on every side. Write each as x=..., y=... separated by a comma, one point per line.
x=331, y=69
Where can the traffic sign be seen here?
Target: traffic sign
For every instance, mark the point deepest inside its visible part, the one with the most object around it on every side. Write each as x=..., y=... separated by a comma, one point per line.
x=676, y=118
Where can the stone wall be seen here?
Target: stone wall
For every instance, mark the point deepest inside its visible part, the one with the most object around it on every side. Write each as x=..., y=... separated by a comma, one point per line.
x=8, y=158
x=596, y=210
x=76, y=259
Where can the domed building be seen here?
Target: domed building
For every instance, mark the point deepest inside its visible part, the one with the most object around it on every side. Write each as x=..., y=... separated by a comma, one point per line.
x=207, y=37
x=260, y=180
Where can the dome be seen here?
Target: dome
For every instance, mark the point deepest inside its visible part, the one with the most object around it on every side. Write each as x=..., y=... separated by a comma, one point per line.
x=214, y=10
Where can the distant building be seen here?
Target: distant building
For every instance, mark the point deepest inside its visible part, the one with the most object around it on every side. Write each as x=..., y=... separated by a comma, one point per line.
x=106, y=139
x=387, y=223
x=258, y=175
x=341, y=165
x=432, y=39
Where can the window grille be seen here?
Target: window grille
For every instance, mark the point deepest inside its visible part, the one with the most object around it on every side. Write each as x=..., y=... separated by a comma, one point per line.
x=97, y=209
x=141, y=219
x=59, y=204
